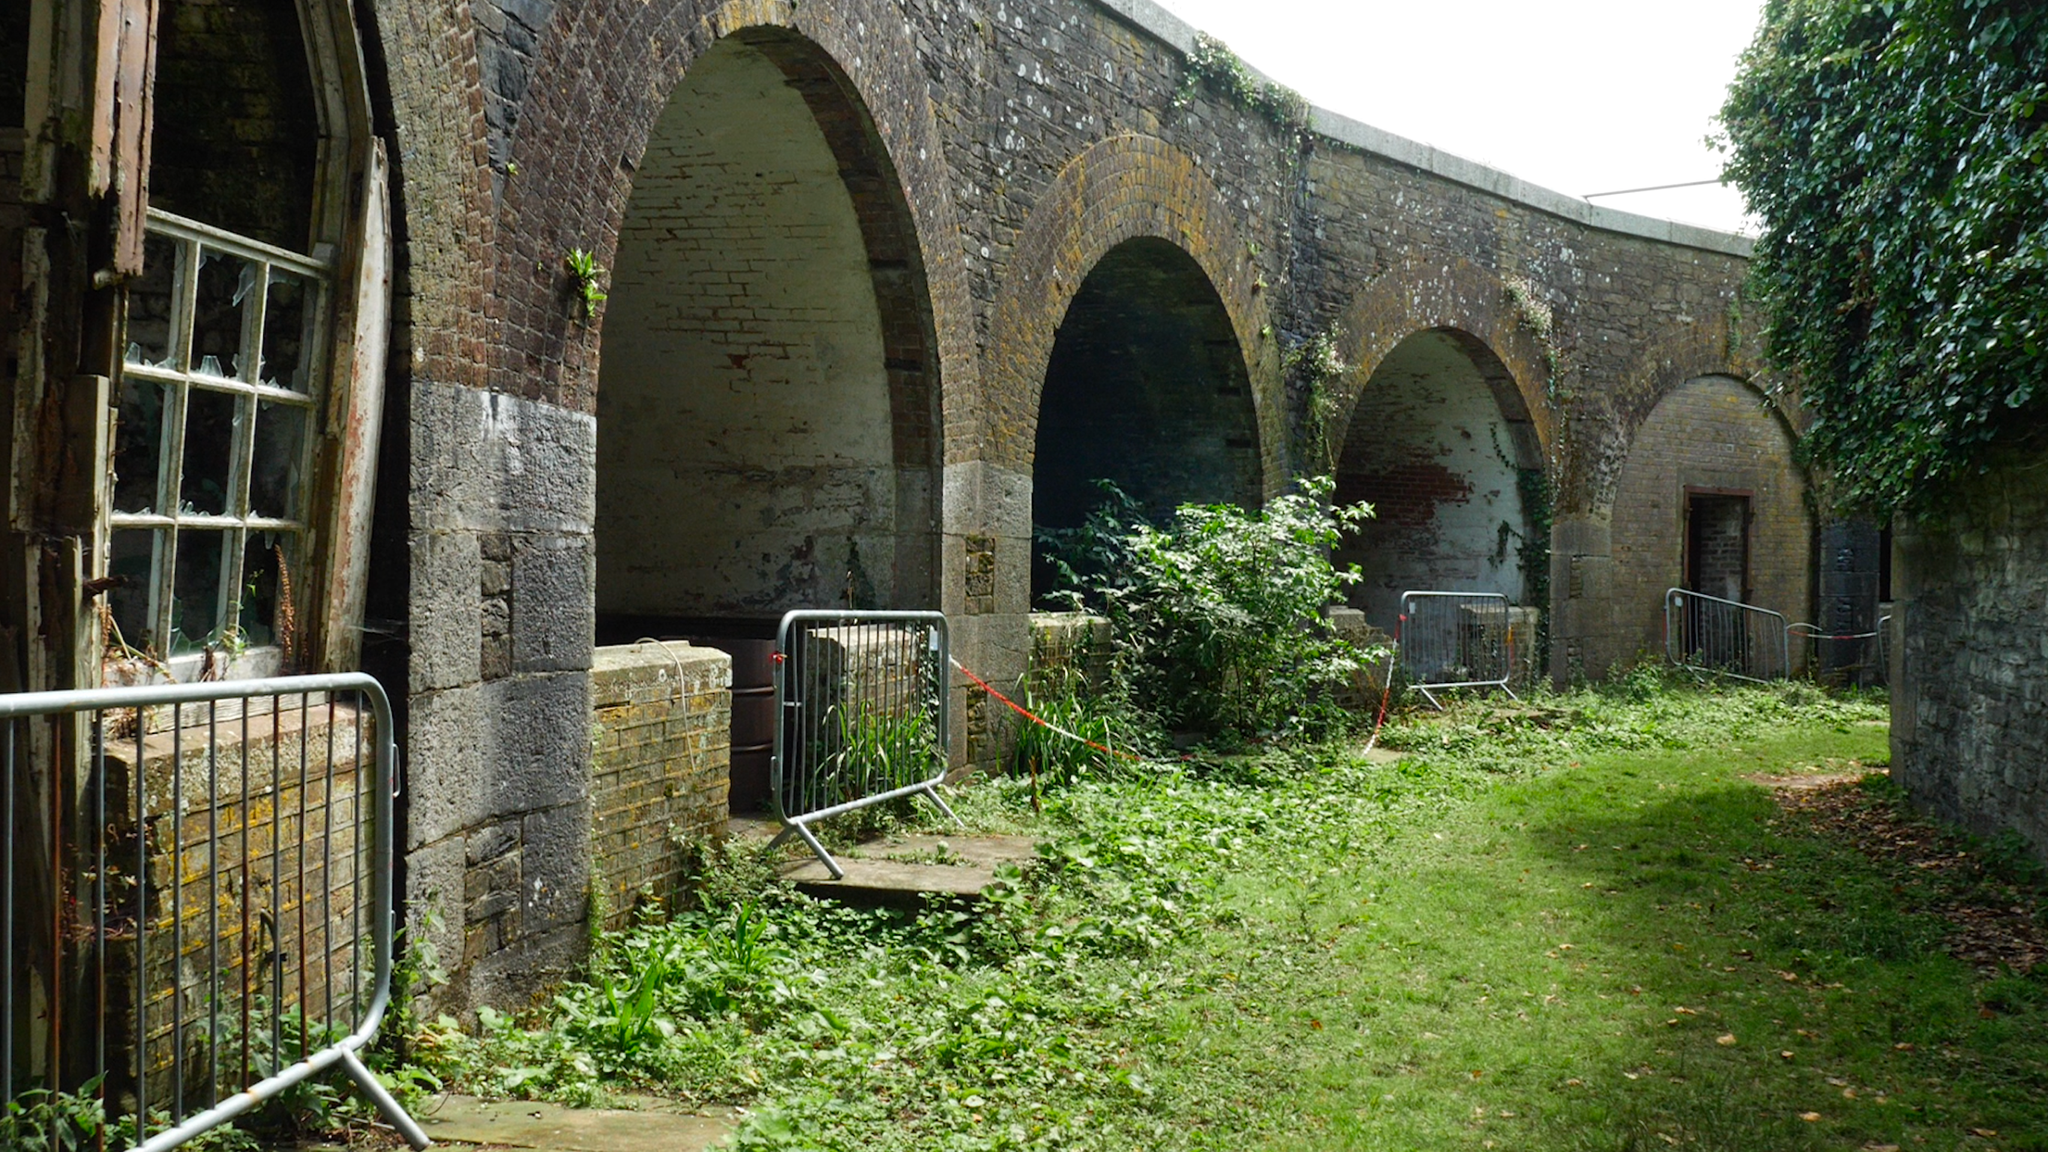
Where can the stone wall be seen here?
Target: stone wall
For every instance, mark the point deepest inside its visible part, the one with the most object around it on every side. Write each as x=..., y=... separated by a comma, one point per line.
x=1970, y=631
x=660, y=767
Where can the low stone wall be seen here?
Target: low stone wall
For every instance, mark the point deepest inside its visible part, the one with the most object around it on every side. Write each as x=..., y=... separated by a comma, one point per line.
x=660, y=766
x=1969, y=702
x=1067, y=646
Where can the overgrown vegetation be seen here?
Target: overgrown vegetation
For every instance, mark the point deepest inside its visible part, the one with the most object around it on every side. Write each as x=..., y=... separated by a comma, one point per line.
x=1897, y=153
x=1212, y=65
x=1318, y=368
x=1217, y=615
x=1567, y=925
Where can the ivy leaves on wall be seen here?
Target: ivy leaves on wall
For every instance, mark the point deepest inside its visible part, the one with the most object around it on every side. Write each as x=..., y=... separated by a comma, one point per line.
x=1897, y=153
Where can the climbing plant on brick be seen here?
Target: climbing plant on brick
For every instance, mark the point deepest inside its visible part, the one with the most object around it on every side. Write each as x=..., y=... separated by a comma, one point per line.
x=1897, y=152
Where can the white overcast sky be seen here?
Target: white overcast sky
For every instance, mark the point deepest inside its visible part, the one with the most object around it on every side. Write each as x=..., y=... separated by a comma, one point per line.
x=1579, y=96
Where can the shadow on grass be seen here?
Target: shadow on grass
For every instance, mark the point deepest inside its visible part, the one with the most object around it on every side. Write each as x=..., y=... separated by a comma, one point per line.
x=1824, y=1012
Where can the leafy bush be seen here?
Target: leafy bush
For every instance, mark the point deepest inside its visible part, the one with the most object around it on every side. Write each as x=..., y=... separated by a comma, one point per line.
x=1218, y=614
x=1897, y=154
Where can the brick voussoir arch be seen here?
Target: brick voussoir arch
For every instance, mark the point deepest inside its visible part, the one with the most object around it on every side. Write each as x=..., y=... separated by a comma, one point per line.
x=1689, y=353
x=1471, y=304
x=1120, y=188
x=602, y=79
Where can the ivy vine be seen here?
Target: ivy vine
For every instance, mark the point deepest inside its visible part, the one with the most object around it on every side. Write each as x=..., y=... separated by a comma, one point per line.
x=1897, y=154
x=1535, y=315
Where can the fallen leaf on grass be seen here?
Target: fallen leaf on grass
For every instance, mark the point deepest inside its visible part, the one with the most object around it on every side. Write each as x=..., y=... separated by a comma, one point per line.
x=1725, y=1040
x=1809, y=1117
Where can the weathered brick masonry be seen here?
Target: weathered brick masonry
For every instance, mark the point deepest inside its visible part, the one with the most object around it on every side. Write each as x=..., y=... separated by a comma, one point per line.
x=934, y=184
x=994, y=154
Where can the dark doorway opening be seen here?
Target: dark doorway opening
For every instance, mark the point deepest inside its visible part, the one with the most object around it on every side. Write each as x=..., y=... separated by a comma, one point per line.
x=1717, y=544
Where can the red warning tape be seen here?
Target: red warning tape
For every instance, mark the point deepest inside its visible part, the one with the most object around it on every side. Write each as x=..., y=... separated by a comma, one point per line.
x=1026, y=713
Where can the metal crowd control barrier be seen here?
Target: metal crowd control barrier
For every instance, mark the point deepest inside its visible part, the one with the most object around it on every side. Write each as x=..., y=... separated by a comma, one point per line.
x=197, y=902
x=1455, y=640
x=863, y=715
x=1857, y=657
x=1726, y=637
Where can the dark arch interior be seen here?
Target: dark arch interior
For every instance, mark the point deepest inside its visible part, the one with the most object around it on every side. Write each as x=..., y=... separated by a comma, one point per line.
x=767, y=422
x=1146, y=388
x=1437, y=443
x=236, y=134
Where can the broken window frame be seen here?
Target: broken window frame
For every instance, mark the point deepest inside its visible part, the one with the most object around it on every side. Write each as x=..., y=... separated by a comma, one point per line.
x=170, y=517
x=347, y=268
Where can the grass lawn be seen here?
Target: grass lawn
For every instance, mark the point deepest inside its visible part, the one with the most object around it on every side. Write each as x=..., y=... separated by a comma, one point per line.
x=1579, y=924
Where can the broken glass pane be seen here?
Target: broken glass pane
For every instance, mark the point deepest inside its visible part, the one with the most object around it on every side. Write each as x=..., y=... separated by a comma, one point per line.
x=195, y=605
x=138, y=440
x=266, y=618
x=213, y=421
x=224, y=285
x=280, y=453
x=287, y=331
x=130, y=558
x=149, y=303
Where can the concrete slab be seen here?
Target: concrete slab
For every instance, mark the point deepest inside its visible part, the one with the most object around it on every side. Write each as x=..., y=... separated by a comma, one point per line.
x=905, y=869
x=651, y=1125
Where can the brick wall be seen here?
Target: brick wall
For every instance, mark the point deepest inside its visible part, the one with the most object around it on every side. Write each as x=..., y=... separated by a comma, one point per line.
x=1714, y=433
x=1146, y=388
x=236, y=135
x=1430, y=448
x=660, y=766
x=1970, y=631
x=992, y=156
x=745, y=449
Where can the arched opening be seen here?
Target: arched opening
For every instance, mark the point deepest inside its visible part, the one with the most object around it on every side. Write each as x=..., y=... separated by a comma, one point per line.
x=767, y=416
x=1438, y=443
x=1712, y=499
x=1146, y=388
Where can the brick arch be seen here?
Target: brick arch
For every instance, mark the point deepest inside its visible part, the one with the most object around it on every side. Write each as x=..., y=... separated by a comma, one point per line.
x=582, y=128
x=1466, y=302
x=1119, y=189
x=1722, y=348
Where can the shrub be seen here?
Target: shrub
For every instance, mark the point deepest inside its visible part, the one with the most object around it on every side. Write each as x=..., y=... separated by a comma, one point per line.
x=1218, y=613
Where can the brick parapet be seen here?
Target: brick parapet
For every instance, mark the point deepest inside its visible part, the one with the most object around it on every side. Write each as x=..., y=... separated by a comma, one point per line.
x=661, y=747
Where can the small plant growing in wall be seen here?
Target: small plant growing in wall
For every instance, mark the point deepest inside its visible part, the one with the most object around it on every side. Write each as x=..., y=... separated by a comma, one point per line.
x=1535, y=315
x=587, y=273
x=1214, y=66
x=1319, y=366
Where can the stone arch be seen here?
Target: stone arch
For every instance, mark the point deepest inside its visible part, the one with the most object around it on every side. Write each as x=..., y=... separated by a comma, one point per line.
x=1441, y=447
x=855, y=61
x=1711, y=464
x=1718, y=348
x=1120, y=189
x=767, y=421
x=1145, y=387
x=1451, y=296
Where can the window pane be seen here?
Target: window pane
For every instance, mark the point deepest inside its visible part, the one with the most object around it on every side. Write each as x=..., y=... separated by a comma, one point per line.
x=224, y=285
x=280, y=452
x=149, y=303
x=195, y=609
x=287, y=331
x=267, y=615
x=212, y=422
x=129, y=558
x=138, y=441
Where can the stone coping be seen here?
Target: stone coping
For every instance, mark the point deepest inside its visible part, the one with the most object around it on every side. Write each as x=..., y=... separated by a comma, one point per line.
x=1151, y=18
